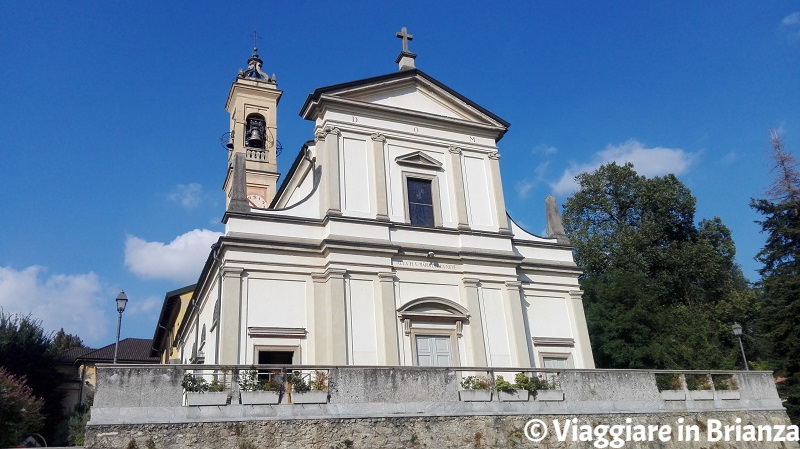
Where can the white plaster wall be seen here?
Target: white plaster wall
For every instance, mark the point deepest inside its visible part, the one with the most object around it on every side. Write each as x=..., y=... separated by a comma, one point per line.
x=476, y=185
x=308, y=208
x=410, y=98
x=495, y=327
x=549, y=317
x=355, y=176
x=411, y=290
x=276, y=303
x=362, y=322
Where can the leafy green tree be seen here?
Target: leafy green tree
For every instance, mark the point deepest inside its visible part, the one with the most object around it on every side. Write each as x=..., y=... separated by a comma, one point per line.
x=780, y=275
x=25, y=351
x=660, y=291
x=63, y=341
x=20, y=411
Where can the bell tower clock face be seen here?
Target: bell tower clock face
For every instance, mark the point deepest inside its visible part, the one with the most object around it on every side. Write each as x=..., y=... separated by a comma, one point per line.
x=257, y=201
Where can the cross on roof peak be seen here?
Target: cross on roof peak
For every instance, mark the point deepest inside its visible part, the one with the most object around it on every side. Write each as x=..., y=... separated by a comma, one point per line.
x=403, y=34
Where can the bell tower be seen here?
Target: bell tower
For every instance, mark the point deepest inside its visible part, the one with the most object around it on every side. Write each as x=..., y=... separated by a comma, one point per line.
x=252, y=105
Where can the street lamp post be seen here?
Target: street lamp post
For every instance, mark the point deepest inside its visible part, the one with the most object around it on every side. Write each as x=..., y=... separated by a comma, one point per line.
x=737, y=330
x=122, y=301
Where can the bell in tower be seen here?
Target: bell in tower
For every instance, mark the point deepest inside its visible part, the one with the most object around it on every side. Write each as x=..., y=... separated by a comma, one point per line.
x=254, y=137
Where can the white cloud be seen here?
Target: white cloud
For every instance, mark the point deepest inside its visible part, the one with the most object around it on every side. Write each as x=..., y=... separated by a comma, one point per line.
x=187, y=195
x=526, y=185
x=791, y=19
x=791, y=24
x=657, y=161
x=179, y=260
x=545, y=150
x=74, y=302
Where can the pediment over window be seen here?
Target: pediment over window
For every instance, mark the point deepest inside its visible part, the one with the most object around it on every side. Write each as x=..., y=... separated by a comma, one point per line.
x=432, y=309
x=418, y=159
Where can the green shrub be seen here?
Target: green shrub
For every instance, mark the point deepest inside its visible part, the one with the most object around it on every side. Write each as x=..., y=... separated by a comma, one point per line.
x=194, y=384
x=299, y=384
x=503, y=385
x=533, y=383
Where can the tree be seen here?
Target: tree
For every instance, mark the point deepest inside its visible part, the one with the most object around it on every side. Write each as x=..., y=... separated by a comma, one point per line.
x=25, y=351
x=780, y=274
x=660, y=291
x=63, y=341
x=20, y=410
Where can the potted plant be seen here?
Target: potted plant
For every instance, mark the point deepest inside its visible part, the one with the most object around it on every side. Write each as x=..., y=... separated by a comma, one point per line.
x=725, y=387
x=542, y=388
x=253, y=390
x=670, y=386
x=699, y=386
x=475, y=389
x=508, y=392
x=313, y=392
x=197, y=391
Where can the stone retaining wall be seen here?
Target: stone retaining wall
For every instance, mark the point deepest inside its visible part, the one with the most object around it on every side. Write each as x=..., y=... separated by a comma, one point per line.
x=451, y=432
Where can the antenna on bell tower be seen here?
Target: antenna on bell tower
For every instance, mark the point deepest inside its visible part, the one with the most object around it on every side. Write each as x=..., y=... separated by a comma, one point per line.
x=252, y=105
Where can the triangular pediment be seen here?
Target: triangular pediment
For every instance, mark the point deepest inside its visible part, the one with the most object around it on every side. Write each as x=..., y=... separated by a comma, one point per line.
x=418, y=159
x=410, y=92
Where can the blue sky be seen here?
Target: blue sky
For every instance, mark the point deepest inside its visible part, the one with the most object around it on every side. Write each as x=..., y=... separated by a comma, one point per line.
x=111, y=114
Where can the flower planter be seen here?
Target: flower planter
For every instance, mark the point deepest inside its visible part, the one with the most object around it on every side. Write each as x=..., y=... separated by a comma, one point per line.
x=260, y=397
x=475, y=395
x=727, y=395
x=513, y=396
x=310, y=397
x=549, y=395
x=701, y=395
x=673, y=395
x=207, y=398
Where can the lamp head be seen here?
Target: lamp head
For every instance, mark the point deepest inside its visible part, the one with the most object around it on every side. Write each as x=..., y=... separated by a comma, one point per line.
x=122, y=301
x=737, y=329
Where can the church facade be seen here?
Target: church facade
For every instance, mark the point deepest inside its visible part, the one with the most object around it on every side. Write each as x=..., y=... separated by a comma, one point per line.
x=387, y=242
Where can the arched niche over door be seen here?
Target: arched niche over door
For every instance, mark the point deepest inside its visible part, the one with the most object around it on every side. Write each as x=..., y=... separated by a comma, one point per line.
x=433, y=326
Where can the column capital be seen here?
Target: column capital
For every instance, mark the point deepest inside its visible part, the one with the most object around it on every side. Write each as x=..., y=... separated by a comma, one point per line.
x=471, y=282
x=378, y=137
x=494, y=156
x=454, y=150
x=319, y=135
x=232, y=271
x=332, y=130
x=576, y=294
x=513, y=284
x=386, y=277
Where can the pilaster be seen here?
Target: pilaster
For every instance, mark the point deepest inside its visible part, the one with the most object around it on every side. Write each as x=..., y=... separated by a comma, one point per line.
x=458, y=184
x=230, y=315
x=320, y=331
x=475, y=329
x=333, y=185
x=584, y=347
x=388, y=342
x=516, y=323
x=499, y=199
x=337, y=318
x=382, y=211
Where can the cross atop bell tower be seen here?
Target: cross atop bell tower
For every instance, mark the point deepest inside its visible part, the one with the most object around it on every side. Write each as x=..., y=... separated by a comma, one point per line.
x=252, y=105
x=406, y=58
